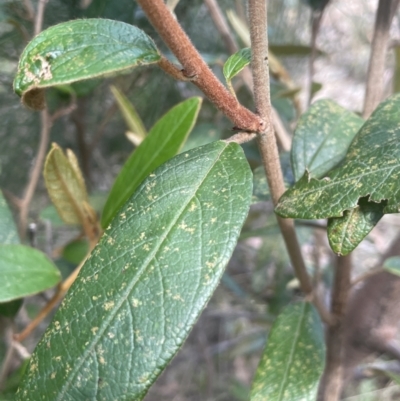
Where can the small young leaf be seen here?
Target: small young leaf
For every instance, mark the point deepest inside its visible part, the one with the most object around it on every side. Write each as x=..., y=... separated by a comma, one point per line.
x=163, y=142
x=25, y=271
x=236, y=63
x=146, y=282
x=322, y=137
x=294, y=357
x=78, y=50
x=346, y=232
x=392, y=265
x=65, y=186
x=371, y=168
x=8, y=230
x=131, y=117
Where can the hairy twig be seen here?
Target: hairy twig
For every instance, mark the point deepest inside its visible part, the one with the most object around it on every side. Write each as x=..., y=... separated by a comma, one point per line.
x=8, y=358
x=46, y=123
x=219, y=20
x=332, y=380
x=220, y=23
x=377, y=61
x=241, y=137
x=316, y=18
x=267, y=143
x=39, y=16
x=57, y=297
x=196, y=69
x=29, y=10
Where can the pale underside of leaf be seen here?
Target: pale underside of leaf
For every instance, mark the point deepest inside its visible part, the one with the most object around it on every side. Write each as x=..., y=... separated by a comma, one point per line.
x=65, y=185
x=146, y=282
x=371, y=169
x=346, y=232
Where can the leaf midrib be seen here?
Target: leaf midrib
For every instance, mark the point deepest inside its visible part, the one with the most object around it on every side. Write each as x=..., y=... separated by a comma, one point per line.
x=337, y=182
x=292, y=352
x=130, y=288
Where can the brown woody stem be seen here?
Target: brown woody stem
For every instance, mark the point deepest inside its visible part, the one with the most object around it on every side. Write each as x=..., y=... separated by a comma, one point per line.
x=267, y=143
x=332, y=380
x=377, y=61
x=196, y=69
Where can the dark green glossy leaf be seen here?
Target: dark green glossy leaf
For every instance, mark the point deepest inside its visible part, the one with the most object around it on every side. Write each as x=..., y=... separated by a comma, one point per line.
x=294, y=357
x=371, y=168
x=322, y=137
x=236, y=63
x=25, y=271
x=146, y=282
x=392, y=265
x=163, y=142
x=346, y=232
x=8, y=230
x=78, y=50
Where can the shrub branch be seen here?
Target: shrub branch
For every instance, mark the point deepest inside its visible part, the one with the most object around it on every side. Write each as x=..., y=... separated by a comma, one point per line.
x=194, y=67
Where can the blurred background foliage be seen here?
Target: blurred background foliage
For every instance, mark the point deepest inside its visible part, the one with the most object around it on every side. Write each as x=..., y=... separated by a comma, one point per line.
x=218, y=360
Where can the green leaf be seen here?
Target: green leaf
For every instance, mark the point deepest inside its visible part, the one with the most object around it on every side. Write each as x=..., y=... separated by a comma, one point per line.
x=392, y=265
x=66, y=187
x=75, y=251
x=294, y=357
x=78, y=50
x=371, y=168
x=346, y=232
x=146, y=282
x=8, y=230
x=322, y=137
x=24, y=271
x=10, y=309
x=236, y=63
x=163, y=142
x=131, y=117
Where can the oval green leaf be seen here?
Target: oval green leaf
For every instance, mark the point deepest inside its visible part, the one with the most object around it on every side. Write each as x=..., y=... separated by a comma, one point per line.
x=236, y=63
x=371, y=168
x=162, y=142
x=294, y=358
x=78, y=50
x=346, y=232
x=8, y=229
x=25, y=271
x=322, y=137
x=146, y=282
